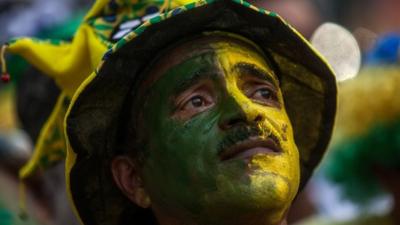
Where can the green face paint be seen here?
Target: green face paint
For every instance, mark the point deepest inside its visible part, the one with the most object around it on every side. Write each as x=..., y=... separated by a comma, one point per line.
x=211, y=96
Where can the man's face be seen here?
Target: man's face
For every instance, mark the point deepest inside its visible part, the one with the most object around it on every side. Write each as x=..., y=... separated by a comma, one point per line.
x=220, y=145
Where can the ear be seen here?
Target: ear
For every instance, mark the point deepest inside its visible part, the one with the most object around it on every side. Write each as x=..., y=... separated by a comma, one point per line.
x=127, y=178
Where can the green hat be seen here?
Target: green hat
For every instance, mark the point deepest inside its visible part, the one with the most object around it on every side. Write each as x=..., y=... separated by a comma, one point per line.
x=307, y=82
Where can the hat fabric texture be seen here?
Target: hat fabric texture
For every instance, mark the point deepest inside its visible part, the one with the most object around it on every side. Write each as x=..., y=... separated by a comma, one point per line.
x=307, y=82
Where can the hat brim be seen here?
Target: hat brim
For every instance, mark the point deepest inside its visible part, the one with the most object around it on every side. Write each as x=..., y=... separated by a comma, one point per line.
x=307, y=82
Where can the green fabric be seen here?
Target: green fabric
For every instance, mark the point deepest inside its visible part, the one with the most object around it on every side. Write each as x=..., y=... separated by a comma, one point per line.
x=351, y=162
x=17, y=65
x=5, y=216
x=9, y=217
x=63, y=31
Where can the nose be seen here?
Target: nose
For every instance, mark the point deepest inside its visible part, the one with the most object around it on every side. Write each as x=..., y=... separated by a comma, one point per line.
x=234, y=114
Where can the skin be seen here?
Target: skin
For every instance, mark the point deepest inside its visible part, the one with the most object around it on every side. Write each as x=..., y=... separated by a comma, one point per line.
x=203, y=98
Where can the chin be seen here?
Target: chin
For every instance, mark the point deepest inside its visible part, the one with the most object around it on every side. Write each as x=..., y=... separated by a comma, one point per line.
x=263, y=196
x=273, y=187
x=232, y=213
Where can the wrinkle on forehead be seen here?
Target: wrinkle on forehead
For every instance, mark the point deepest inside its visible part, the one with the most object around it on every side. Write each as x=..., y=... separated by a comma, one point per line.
x=186, y=49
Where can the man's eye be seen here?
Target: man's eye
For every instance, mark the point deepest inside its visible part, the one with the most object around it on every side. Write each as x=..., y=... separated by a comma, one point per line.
x=264, y=96
x=194, y=102
x=263, y=93
x=197, y=103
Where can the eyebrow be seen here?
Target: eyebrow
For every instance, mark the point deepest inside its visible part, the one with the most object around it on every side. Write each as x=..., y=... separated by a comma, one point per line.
x=194, y=78
x=244, y=69
x=248, y=69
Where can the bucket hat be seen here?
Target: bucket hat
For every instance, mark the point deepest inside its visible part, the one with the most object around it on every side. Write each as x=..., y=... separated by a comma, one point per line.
x=93, y=118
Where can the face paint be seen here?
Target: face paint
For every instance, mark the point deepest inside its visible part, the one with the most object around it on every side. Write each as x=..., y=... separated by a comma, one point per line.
x=280, y=170
x=208, y=100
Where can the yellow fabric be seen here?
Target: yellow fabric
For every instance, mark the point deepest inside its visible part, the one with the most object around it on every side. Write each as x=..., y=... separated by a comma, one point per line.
x=7, y=111
x=364, y=101
x=71, y=156
x=96, y=9
x=67, y=63
x=50, y=146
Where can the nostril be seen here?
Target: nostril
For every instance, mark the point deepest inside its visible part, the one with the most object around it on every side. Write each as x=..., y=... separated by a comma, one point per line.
x=232, y=123
x=258, y=118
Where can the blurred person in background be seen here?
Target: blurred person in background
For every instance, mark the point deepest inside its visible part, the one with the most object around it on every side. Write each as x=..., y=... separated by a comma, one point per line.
x=367, y=19
x=14, y=152
x=364, y=160
x=30, y=17
x=379, y=16
x=30, y=100
x=301, y=14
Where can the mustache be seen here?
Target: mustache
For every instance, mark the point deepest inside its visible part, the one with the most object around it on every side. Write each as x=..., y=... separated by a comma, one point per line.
x=240, y=134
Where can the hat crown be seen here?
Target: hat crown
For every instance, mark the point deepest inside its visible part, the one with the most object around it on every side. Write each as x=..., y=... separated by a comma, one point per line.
x=112, y=20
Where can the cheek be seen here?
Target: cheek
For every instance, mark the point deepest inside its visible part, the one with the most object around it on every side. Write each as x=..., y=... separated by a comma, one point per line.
x=181, y=157
x=195, y=144
x=176, y=144
x=287, y=165
x=183, y=150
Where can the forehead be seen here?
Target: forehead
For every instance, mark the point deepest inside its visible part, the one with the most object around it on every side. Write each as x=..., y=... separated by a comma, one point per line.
x=200, y=45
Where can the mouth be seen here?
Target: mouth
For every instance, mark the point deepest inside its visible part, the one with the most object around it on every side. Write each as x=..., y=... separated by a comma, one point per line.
x=250, y=147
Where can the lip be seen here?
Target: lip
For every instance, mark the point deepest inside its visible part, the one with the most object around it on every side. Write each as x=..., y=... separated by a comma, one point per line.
x=250, y=147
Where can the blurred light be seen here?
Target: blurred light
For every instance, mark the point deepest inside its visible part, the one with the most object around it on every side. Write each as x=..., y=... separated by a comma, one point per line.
x=340, y=49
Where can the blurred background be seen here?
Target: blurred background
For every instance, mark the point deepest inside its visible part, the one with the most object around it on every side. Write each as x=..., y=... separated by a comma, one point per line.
x=359, y=179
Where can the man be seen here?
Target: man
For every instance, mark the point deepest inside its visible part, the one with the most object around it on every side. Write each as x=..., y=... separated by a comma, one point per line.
x=213, y=113
x=216, y=112
x=213, y=123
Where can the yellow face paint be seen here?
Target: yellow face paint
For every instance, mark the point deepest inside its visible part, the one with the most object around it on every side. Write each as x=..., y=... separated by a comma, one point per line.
x=283, y=169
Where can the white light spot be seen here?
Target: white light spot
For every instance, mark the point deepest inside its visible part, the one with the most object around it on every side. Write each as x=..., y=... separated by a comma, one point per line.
x=120, y=34
x=147, y=17
x=129, y=24
x=340, y=49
